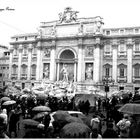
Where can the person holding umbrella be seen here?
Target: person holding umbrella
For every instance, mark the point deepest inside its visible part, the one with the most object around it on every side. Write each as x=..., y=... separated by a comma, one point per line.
x=123, y=126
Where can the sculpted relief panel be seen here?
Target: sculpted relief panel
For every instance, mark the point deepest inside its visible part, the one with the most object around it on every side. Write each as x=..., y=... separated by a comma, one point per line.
x=89, y=51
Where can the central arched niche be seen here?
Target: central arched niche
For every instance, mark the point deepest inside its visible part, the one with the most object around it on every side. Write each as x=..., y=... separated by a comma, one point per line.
x=67, y=57
x=67, y=54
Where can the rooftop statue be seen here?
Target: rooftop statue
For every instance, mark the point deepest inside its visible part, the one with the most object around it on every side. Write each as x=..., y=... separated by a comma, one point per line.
x=68, y=15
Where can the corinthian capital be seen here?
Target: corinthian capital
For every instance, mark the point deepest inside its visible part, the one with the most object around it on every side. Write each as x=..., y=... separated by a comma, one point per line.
x=11, y=49
x=30, y=47
x=129, y=43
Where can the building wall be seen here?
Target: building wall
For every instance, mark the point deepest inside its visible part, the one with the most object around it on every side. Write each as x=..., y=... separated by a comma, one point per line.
x=4, y=68
x=113, y=53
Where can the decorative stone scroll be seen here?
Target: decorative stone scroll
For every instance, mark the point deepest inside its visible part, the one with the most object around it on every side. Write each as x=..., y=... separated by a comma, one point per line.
x=68, y=15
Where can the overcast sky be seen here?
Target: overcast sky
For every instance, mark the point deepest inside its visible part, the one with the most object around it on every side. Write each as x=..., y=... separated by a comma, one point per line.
x=29, y=13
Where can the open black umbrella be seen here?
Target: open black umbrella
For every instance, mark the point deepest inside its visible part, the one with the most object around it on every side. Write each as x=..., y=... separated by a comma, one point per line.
x=39, y=115
x=60, y=115
x=4, y=99
x=11, y=102
x=130, y=108
x=73, y=119
x=41, y=109
x=75, y=130
x=30, y=122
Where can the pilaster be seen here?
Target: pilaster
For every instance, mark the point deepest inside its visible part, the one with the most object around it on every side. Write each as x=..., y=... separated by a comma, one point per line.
x=96, y=69
x=19, y=60
x=129, y=60
x=52, y=62
x=10, y=64
x=114, y=60
x=38, y=72
x=29, y=61
x=80, y=60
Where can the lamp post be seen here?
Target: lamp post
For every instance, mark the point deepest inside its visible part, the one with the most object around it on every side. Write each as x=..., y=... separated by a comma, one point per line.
x=107, y=81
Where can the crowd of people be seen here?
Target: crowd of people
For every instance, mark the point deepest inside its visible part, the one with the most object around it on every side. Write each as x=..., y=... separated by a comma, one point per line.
x=104, y=120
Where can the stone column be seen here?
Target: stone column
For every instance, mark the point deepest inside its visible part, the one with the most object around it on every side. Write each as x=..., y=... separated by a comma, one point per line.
x=29, y=61
x=52, y=62
x=19, y=61
x=96, y=69
x=58, y=67
x=80, y=60
x=129, y=61
x=10, y=62
x=114, y=60
x=75, y=71
x=38, y=72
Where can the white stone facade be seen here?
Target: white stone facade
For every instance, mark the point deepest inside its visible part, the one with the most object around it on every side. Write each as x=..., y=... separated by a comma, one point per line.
x=79, y=43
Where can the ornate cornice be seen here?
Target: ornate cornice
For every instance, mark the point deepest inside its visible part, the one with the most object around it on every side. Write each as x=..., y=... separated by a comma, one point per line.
x=129, y=43
x=30, y=47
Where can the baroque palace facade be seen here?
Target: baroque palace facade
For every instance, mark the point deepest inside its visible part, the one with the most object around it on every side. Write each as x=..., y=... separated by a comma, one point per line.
x=89, y=51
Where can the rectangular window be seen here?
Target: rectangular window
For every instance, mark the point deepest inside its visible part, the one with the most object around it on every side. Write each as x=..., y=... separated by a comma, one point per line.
x=136, y=30
x=121, y=31
x=33, y=71
x=23, y=70
x=107, y=71
x=15, y=52
x=107, y=32
x=122, y=47
x=34, y=51
x=25, y=51
x=137, y=72
x=121, y=72
x=107, y=48
x=137, y=47
x=14, y=70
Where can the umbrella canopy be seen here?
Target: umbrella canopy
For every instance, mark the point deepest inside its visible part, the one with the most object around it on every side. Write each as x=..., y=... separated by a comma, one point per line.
x=59, y=95
x=85, y=97
x=11, y=102
x=75, y=130
x=73, y=119
x=41, y=109
x=29, y=122
x=41, y=96
x=60, y=115
x=4, y=99
x=24, y=96
x=39, y=115
x=130, y=108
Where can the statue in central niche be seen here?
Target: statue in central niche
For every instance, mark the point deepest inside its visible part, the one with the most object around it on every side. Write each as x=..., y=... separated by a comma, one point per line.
x=65, y=73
